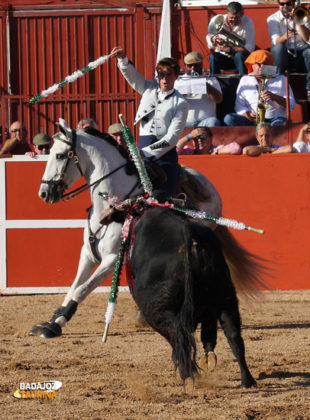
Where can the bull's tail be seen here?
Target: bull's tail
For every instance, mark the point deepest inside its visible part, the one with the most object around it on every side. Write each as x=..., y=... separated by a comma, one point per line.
x=184, y=350
x=246, y=269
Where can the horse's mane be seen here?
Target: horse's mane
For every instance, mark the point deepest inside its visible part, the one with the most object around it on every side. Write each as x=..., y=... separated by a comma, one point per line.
x=130, y=169
x=105, y=136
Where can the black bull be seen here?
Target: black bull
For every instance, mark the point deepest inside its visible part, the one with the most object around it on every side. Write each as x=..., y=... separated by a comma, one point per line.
x=181, y=279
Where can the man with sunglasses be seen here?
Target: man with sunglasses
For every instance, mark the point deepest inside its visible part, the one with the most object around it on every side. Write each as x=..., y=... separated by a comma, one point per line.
x=290, y=41
x=162, y=113
x=17, y=143
x=41, y=145
x=201, y=143
x=227, y=54
x=202, y=106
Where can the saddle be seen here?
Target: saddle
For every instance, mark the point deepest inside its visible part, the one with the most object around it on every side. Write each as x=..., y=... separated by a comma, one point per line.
x=188, y=185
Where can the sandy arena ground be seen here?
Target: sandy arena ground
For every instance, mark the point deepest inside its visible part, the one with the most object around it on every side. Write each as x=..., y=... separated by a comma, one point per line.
x=132, y=377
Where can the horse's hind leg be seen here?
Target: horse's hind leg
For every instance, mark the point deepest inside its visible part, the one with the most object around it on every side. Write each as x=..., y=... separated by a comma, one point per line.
x=231, y=324
x=208, y=339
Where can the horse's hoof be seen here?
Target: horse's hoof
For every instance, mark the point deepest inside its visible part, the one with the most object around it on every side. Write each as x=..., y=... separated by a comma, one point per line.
x=51, y=330
x=37, y=329
x=212, y=361
x=140, y=320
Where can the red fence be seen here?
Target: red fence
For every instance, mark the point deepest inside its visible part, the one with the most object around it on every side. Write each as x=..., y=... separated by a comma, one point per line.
x=43, y=45
x=40, y=243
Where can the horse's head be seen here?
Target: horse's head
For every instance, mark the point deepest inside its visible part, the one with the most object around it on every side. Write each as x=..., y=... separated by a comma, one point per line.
x=62, y=167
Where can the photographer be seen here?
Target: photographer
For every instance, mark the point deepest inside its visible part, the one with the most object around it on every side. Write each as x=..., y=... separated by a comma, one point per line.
x=199, y=141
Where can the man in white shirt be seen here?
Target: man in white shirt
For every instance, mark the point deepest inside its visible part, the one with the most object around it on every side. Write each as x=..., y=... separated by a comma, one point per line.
x=290, y=42
x=226, y=54
x=162, y=113
x=273, y=94
x=202, y=107
x=302, y=144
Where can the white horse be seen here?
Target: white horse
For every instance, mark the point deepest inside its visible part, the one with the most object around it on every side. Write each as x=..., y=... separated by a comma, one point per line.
x=105, y=169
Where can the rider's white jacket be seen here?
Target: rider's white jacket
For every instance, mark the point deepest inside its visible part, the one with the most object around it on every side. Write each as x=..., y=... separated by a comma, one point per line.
x=160, y=114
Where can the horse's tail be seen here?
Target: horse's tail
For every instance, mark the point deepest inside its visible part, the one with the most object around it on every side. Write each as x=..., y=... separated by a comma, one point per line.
x=246, y=269
x=184, y=351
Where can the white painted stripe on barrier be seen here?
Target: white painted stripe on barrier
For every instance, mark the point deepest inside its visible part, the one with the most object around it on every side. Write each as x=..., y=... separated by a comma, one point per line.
x=53, y=290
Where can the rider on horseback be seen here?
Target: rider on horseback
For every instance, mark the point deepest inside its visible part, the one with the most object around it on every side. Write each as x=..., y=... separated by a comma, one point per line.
x=162, y=113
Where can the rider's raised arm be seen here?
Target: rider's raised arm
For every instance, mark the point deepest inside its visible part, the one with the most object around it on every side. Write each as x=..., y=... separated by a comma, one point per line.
x=128, y=70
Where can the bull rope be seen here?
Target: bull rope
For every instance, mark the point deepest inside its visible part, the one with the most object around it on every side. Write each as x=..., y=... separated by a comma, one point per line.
x=70, y=78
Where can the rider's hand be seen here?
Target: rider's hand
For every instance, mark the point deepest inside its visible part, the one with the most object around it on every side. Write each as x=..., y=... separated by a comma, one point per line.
x=118, y=52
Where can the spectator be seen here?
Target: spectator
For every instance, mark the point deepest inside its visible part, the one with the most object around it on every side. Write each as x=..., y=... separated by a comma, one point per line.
x=116, y=131
x=202, y=138
x=290, y=41
x=86, y=122
x=302, y=144
x=264, y=138
x=226, y=54
x=17, y=143
x=202, y=107
x=41, y=145
x=162, y=113
x=247, y=97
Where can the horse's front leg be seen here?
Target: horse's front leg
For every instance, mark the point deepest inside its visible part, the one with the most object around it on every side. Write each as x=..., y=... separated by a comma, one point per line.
x=85, y=267
x=65, y=313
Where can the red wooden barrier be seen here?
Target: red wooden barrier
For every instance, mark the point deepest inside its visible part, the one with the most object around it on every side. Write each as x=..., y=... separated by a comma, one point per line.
x=40, y=243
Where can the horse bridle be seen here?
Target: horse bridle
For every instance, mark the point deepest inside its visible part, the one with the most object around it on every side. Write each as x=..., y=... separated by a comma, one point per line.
x=59, y=185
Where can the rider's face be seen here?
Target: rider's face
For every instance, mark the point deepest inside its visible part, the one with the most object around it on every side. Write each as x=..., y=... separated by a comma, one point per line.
x=166, y=77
